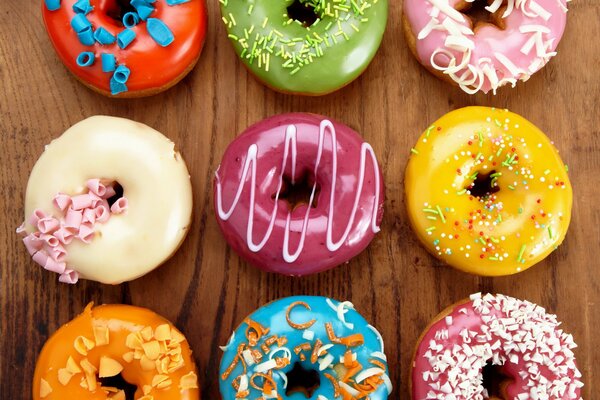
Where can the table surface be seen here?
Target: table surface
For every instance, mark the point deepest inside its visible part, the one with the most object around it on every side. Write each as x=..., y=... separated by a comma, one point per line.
x=205, y=289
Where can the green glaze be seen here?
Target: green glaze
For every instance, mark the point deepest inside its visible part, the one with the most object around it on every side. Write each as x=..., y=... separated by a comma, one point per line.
x=315, y=60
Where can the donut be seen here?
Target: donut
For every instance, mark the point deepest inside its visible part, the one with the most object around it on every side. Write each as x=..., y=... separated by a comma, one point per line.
x=496, y=347
x=123, y=48
x=287, y=203
x=305, y=347
x=109, y=201
x=116, y=352
x=487, y=192
x=517, y=40
x=307, y=47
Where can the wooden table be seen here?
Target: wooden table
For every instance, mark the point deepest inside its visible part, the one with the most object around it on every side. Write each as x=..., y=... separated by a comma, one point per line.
x=205, y=289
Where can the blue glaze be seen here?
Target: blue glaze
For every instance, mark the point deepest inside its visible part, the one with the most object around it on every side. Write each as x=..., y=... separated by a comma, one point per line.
x=176, y=2
x=273, y=316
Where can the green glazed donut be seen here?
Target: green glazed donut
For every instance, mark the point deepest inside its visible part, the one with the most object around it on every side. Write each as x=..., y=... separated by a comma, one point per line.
x=309, y=47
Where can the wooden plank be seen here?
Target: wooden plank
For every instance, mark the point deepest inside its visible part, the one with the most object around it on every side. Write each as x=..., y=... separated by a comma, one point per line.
x=205, y=289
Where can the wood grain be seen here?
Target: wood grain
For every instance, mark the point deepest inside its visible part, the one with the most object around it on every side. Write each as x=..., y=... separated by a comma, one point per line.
x=205, y=289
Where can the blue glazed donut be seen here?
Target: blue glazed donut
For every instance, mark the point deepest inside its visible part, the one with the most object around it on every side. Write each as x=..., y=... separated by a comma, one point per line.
x=305, y=347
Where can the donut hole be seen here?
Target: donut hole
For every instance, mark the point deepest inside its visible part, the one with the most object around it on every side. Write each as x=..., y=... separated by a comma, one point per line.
x=493, y=380
x=117, y=9
x=479, y=15
x=484, y=185
x=119, y=191
x=303, y=13
x=301, y=380
x=297, y=193
x=117, y=382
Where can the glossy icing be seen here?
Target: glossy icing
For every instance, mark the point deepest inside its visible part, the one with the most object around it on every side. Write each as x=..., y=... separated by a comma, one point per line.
x=505, y=232
x=153, y=67
x=325, y=56
x=292, y=345
x=519, y=336
x=156, y=184
x=115, y=332
x=485, y=57
x=259, y=225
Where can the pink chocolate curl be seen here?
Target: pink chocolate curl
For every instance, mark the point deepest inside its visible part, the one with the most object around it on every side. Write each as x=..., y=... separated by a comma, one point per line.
x=120, y=206
x=79, y=215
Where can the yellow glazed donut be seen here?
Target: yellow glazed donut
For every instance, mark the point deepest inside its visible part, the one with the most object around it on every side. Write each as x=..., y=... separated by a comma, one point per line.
x=487, y=192
x=116, y=352
x=72, y=228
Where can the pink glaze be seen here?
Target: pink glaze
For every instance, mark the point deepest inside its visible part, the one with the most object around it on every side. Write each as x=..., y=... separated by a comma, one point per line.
x=532, y=31
x=259, y=225
x=517, y=335
x=76, y=220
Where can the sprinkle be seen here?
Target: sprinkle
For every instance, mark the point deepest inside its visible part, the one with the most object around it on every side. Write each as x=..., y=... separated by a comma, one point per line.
x=176, y=2
x=439, y=210
x=414, y=151
x=121, y=74
x=104, y=37
x=550, y=232
x=79, y=23
x=143, y=8
x=86, y=36
x=521, y=252
x=125, y=37
x=52, y=5
x=85, y=59
x=160, y=32
x=131, y=19
x=82, y=7
x=109, y=63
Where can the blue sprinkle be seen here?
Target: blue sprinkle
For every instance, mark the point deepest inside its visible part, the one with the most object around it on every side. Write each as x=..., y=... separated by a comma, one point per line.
x=82, y=7
x=121, y=74
x=79, y=23
x=52, y=5
x=109, y=62
x=86, y=59
x=130, y=19
x=86, y=36
x=103, y=36
x=143, y=8
x=117, y=87
x=124, y=38
x=176, y=2
x=160, y=32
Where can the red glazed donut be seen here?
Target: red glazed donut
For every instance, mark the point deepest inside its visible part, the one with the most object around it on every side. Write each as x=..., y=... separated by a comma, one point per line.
x=261, y=173
x=161, y=47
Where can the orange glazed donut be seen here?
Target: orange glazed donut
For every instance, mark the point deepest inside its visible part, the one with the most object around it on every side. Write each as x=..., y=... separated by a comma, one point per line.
x=127, y=48
x=116, y=352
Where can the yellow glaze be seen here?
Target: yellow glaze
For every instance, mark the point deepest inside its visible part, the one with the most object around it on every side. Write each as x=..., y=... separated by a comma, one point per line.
x=499, y=233
x=123, y=324
x=155, y=181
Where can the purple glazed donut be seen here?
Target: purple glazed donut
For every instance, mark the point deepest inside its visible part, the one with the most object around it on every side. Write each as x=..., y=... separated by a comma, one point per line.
x=261, y=175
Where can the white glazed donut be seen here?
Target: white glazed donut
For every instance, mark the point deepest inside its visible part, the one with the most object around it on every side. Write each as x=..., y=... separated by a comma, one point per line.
x=142, y=233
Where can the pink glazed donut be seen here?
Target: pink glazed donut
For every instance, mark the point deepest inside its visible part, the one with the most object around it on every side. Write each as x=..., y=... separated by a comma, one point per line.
x=519, y=39
x=532, y=355
x=258, y=188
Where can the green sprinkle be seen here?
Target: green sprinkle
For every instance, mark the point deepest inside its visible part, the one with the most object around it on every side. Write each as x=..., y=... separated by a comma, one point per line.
x=414, y=151
x=550, y=232
x=461, y=192
x=521, y=252
x=430, y=229
x=546, y=172
x=439, y=210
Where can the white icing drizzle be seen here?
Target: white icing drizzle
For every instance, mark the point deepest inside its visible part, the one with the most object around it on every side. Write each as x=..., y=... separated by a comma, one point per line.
x=290, y=151
x=471, y=75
